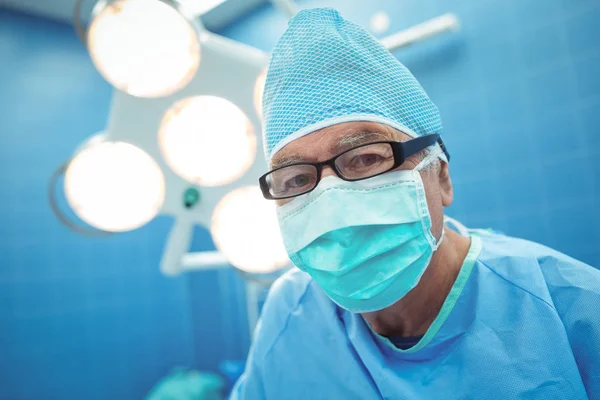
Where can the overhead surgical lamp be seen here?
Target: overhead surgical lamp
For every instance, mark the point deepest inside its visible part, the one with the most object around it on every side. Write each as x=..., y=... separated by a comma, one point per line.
x=147, y=48
x=259, y=87
x=178, y=142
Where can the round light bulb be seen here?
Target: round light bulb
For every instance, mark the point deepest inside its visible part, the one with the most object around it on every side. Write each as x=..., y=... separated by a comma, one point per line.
x=114, y=186
x=146, y=48
x=207, y=140
x=380, y=22
x=259, y=87
x=245, y=229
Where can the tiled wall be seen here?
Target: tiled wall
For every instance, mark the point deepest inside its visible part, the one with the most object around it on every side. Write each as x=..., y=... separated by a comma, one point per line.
x=80, y=318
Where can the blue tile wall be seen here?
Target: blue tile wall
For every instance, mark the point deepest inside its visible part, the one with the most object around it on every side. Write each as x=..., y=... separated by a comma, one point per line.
x=519, y=92
x=218, y=305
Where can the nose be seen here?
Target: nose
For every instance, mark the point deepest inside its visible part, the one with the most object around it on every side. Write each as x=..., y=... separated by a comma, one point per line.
x=327, y=171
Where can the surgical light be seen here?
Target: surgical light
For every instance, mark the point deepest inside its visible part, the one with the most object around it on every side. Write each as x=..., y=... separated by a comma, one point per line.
x=114, y=186
x=380, y=22
x=147, y=48
x=259, y=87
x=207, y=140
x=245, y=229
x=200, y=6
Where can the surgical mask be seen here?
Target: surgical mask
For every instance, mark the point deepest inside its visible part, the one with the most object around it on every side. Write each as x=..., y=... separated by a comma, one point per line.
x=366, y=243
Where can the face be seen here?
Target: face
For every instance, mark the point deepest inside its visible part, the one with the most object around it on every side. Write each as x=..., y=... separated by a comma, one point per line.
x=331, y=141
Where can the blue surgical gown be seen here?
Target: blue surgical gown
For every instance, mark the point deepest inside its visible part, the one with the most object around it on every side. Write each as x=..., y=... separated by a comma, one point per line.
x=521, y=322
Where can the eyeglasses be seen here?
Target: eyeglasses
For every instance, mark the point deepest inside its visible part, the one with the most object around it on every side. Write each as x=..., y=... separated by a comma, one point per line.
x=362, y=162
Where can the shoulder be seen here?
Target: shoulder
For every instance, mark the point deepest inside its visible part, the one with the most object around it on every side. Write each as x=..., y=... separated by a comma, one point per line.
x=498, y=247
x=537, y=268
x=294, y=298
x=286, y=293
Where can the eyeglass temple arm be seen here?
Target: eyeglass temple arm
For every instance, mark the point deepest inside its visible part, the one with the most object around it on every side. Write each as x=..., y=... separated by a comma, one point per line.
x=420, y=143
x=443, y=147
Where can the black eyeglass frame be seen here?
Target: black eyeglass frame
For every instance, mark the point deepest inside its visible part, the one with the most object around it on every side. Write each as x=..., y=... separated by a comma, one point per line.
x=401, y=151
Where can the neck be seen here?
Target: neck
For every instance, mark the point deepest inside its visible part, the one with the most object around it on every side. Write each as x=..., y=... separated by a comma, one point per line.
x=414, y=313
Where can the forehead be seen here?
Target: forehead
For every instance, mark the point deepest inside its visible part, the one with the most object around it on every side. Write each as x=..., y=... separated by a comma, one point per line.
x=330, y=141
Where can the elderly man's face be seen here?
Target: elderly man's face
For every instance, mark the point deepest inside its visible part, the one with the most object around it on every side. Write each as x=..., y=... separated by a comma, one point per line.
x=331, y=141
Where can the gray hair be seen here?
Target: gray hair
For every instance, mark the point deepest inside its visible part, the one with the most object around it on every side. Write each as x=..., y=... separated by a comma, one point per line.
x=435, y=164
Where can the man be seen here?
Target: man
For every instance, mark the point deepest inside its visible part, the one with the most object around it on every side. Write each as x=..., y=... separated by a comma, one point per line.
x=388, y=301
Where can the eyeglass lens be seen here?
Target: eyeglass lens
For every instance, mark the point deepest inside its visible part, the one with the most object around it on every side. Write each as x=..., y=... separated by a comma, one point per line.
x=359, y=163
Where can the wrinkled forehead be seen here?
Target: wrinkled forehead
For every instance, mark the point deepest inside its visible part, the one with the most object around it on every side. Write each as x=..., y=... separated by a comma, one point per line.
x=330, y=141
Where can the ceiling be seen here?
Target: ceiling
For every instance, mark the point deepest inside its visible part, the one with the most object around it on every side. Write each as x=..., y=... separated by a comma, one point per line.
x=222, y=14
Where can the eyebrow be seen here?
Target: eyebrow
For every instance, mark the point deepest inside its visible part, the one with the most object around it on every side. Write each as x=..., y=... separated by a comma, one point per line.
x=356, y=139
x=286, y=160
x=353, y=138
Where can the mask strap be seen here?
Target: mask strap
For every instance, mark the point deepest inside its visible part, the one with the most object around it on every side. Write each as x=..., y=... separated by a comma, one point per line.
x=458, y=227
x=439, y=242
x=425, y=162
x=429, y=159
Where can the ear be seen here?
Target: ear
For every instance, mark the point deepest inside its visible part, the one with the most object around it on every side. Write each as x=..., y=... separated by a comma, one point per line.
x=445, y=183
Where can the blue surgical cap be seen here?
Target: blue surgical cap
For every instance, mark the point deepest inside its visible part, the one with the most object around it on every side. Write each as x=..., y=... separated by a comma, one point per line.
x=325, y=70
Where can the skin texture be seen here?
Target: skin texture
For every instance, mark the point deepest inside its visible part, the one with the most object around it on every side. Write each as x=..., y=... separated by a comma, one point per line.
x=413, y=314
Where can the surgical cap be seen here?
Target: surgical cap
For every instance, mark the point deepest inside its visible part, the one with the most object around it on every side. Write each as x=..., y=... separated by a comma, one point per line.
x=325, y=70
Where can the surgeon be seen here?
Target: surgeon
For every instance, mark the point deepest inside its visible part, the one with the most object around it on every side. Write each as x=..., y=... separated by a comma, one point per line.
x=390, y=299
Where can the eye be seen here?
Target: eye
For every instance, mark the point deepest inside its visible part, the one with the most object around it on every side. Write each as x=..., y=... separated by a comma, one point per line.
x=298, y=181
x=366, y=161
x=293, y=179
x=362, y=161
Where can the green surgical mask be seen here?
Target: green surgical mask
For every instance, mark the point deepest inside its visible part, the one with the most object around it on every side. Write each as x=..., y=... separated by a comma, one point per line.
x=366, y=243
